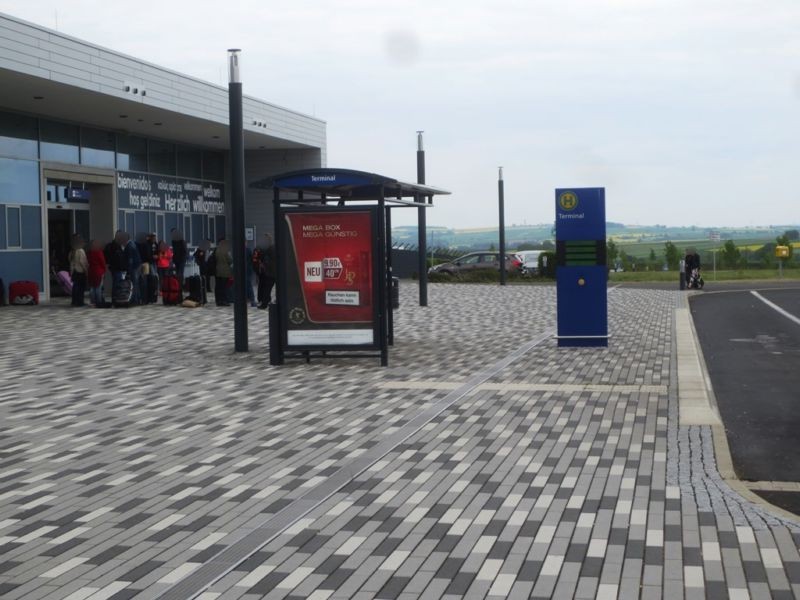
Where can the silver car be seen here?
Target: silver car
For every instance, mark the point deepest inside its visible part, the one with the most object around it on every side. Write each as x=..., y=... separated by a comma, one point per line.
x=475, y=261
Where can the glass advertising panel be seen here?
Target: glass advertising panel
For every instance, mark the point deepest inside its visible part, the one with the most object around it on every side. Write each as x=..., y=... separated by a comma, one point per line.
x=330, y=297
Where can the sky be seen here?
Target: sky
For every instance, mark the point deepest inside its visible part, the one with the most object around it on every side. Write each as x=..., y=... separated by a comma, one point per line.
x=686, y=111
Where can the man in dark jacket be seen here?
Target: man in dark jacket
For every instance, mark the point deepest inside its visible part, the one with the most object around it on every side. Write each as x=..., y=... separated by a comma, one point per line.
x=133, y=262
x=266, y=270
x=116, y=260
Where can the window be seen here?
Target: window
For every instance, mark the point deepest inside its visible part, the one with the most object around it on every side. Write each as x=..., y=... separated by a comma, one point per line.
x=213, y=166
x=189, y=162
x=19, y=136
x=19, y=181
x=59, y=142
x=13, y=226
x=161, y=157
x=131, y=153
x=97, y=147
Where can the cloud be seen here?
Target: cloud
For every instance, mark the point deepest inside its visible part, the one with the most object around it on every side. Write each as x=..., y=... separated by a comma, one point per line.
x=680, y=108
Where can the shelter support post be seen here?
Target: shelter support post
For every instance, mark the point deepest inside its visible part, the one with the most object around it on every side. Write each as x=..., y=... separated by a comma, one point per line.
x=275, y=333
x=389, y=308
x=383, y=283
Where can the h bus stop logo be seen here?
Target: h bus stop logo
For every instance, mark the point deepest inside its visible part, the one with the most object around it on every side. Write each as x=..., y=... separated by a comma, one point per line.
x=568, y=200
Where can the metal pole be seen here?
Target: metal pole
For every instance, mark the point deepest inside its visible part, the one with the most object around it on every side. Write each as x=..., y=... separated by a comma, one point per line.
x=236, y=128
x=714, y=258
x=501, y=203
x=422, y=233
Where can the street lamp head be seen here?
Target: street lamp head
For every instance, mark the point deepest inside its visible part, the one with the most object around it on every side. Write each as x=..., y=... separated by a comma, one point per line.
x=233, y=65
x=419, y=140
x=500, y=173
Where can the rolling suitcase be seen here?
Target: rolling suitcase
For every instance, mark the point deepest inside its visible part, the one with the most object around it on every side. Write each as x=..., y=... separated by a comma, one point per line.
x=152, y=288
x=23, y=292
x=121, y=294
x=65, y=281
x=170, y=290
x=197, y=289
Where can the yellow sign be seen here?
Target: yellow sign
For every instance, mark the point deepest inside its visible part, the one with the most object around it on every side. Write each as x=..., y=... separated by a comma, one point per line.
x=782, y=251
x=568, y=200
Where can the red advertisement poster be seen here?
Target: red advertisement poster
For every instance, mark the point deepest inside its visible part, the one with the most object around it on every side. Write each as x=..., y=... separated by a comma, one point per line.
x=330, y=299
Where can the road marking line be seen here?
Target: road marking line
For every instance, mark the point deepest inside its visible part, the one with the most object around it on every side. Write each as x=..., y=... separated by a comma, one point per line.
x=772, y=305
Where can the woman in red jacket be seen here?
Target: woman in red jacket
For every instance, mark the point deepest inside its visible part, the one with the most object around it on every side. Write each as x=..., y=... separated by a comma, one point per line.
x=97, y=270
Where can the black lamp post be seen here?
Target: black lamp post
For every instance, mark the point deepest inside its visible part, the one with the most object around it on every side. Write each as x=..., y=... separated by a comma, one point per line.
x=500, y=201
x=422, y=266
x=236, y=127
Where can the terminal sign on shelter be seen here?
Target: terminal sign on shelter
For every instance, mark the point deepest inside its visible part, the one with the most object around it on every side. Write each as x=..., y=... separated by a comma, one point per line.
x=581, y=274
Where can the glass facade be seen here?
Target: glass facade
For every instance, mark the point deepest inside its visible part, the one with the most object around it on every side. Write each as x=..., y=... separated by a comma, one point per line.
x=19, y=136
x=131, y=153
x=197, y=174
x=189, y=162
x=19, y=181
x=97, y=148
x=161, y=157
x=59, y=142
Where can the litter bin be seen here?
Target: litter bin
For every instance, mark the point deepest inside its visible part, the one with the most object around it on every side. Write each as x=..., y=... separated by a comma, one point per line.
x=395, y=293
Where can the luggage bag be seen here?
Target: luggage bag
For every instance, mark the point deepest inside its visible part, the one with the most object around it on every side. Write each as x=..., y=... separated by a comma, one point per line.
x=170, y=290
x=121, y=294
x=65, y=281
x=23, y=292
x=197, y=289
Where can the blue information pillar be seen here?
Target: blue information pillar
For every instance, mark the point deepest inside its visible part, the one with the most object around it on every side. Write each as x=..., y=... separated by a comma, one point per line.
x=581, y=274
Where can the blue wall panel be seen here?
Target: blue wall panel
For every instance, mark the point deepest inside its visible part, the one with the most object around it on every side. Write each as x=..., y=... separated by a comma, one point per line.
x=2, y=226
x=24, y=265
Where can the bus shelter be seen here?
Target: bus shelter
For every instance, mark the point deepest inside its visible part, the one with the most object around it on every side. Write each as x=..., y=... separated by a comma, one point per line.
x=333, y=252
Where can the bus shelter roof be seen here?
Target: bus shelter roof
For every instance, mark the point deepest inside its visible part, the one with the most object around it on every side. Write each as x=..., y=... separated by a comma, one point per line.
x=347, y=185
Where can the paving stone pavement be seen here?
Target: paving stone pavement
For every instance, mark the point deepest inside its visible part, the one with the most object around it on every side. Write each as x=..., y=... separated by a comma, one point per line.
x=135, y=446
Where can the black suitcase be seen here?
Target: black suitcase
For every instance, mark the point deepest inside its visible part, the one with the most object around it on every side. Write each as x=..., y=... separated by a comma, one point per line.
x=197, y=288
x=152, y=288
x=2, y=293
x=121, y=294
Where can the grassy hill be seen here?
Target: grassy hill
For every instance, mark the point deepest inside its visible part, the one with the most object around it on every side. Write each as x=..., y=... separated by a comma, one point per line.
x=635, y=240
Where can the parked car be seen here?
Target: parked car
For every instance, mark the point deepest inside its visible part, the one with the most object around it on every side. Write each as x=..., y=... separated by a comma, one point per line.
x=475, y=261
x=530, y=261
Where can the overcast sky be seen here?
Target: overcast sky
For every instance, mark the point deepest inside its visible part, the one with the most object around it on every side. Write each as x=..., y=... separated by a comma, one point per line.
x=686, y=111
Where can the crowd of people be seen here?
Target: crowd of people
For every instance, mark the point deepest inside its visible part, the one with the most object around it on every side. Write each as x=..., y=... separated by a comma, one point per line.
x=146, y=261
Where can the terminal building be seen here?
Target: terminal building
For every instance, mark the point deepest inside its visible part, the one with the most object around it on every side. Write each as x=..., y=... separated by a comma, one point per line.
x=93, y=141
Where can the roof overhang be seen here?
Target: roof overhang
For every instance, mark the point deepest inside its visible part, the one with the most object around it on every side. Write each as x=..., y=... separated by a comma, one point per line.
x=80, y=105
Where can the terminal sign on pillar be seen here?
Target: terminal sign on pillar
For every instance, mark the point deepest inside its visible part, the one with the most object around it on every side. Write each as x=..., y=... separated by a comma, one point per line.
x=581, y=273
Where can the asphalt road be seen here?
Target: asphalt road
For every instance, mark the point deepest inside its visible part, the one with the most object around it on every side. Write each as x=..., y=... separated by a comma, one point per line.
x=752, y=352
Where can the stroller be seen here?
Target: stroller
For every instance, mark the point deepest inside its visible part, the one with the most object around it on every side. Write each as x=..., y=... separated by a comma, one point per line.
x=695, y=279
